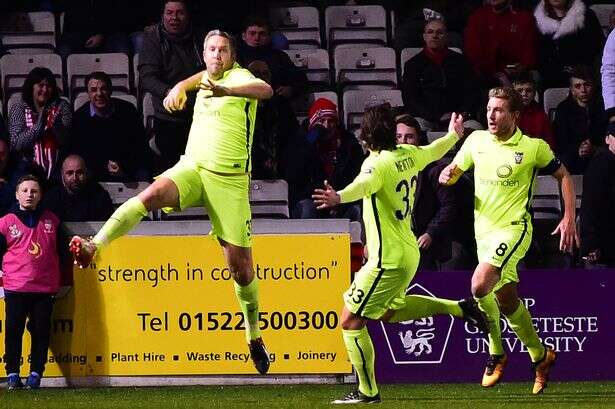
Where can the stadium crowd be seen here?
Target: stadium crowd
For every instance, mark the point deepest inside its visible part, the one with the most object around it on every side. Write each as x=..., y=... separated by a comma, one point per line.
x=530, y=45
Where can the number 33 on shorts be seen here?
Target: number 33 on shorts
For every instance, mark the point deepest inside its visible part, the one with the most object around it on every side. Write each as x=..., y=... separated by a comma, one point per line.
x=355, y=294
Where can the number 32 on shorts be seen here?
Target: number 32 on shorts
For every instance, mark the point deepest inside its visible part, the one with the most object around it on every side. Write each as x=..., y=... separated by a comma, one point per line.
x=356, y=294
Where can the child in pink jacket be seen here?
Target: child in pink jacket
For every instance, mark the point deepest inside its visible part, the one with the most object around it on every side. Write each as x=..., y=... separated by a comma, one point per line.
x=29, y=242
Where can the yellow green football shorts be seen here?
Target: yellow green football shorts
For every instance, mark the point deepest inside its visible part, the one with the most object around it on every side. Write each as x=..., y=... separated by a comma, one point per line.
x=376, y=290
x=226, y=198
x=504, y=249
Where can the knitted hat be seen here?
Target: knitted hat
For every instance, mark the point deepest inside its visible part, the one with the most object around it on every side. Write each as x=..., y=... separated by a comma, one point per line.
x=320, y=109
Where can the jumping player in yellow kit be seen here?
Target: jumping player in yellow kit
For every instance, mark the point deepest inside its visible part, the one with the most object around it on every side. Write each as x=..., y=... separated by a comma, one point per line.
x=214, y=172
x=386, y=184
x=506, y=163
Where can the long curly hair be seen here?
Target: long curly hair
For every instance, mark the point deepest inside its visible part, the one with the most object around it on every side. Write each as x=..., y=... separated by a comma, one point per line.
x=378, y=128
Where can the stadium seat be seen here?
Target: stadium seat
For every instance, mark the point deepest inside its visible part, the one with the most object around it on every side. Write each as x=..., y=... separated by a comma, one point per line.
x=552, y=97
x=355, y=25
x=116, y=65
x=433, y=135
x=121, y=192
x=577, y=181
x=147, y=107
x=371, y=68
x=300, y=25
x=392, y=26
x=15, y=69
x=410, y=52
x=42, y=38
x=268, y=199
x=603, y=12
x=135, y=71
x=546, y=203
x=82, y=98
x=315, y=63
x=355, y=101
x=301, y=104
x=14, y=98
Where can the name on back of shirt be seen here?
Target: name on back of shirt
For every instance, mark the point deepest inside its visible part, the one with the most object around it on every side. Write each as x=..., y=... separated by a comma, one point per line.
x=404, y=164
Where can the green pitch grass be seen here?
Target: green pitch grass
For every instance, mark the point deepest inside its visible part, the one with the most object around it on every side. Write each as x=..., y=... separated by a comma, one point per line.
x=446, y=396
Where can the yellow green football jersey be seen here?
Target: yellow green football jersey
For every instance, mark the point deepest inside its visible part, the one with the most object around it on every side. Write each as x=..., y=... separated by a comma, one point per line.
x=387, y=183
x=220, y=138
x=504, y=174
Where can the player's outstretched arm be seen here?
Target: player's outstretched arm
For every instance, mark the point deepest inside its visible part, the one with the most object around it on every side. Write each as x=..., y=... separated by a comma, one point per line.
x=255, y=88
x=176, y=98
x=567, y=227
x=326, y=198
x=438, y=148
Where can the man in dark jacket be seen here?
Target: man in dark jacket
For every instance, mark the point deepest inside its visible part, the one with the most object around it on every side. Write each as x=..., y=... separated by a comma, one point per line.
x=287, y=80
x=438, y=81
x=434, y=208
x=597, y=208
x=580, y=122
x=171, y=52
x=108, y=133
x=322, y=151
x=78, y=199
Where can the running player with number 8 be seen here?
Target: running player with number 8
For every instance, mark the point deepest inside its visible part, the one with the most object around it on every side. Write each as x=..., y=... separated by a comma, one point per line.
x=506, y=163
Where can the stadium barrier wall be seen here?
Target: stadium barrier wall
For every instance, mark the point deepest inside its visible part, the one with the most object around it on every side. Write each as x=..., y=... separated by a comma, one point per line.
x=571, y=309
x=160, y=303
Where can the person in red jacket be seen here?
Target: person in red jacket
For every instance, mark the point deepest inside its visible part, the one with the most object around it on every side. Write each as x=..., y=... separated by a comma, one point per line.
x=500, y=41
x=533, y=120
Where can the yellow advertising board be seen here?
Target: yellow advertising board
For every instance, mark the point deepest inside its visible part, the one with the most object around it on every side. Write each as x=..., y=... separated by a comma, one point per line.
x=165, y=305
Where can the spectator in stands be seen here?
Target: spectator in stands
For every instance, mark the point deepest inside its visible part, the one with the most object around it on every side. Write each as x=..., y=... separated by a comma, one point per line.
x=608, y=76
x=437, y=82
x=275, y=124
x=91, y=27
x=171, y=52
x=39, y=124
x=11, y=170
x=78, y=198
x=597, y=215
x=322, y=150
x=500, y=41
x=533, y=120
x=569, y=35
x=30, y=243
x=108, y=133
x=412, y=16
x=580, y=122
x=287, y=80
x=137, y=17
x=433, y=219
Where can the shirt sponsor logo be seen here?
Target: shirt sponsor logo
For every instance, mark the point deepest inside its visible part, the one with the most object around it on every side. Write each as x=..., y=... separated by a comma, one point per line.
x=504, y=183
x=504, y=171
x=36, y=250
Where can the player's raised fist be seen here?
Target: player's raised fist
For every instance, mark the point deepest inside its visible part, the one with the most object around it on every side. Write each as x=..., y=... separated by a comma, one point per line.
x=175, y=99
x=456, y=124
